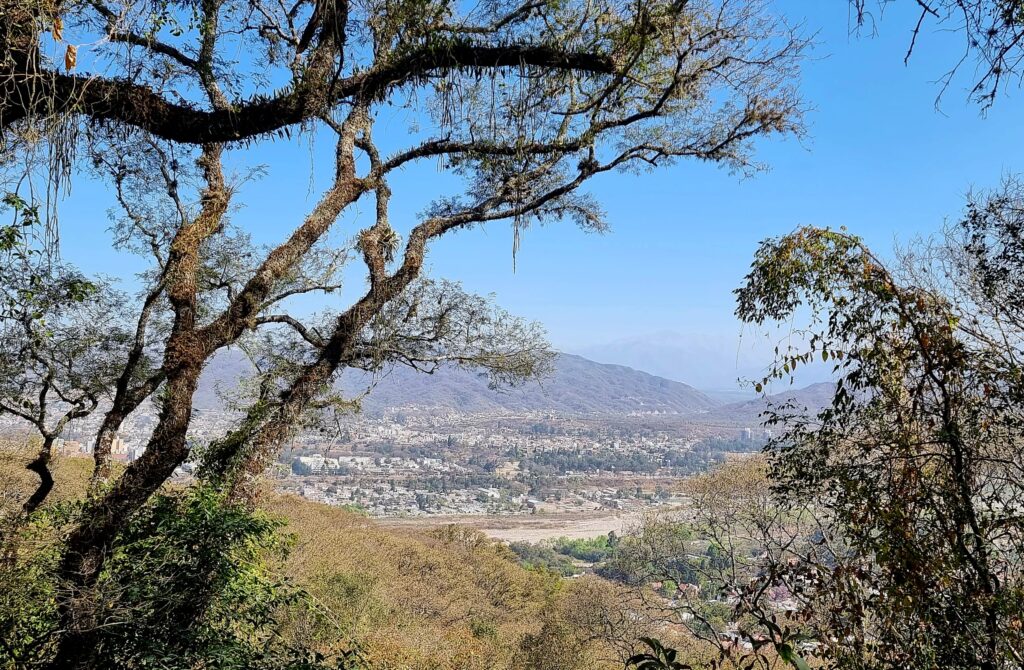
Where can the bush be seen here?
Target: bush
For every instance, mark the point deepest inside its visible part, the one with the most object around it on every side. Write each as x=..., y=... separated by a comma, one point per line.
x=188, y=585
x=543, y=557
x=591, y=550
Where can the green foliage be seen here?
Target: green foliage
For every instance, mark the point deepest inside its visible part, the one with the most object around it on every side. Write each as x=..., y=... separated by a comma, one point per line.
x=591, y=550
x=187, y=560
x=659, y=658
x=27, y=592
x=913, y=470
x=14, y=235
x=787, y=654
x=556, y=555
x=483, y=628
x=189, y=584
x=658, y=551
x=543, y=557
x=557, y=461
x=28, y=281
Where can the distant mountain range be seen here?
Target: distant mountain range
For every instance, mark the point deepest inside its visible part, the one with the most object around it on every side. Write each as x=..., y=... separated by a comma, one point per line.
x=810, y=398
x=705, y=360
x=578, y=386
x=710, y=361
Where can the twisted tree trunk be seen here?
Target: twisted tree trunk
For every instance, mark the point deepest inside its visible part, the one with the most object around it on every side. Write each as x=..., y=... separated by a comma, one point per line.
x=41, y=466
x=90, y=541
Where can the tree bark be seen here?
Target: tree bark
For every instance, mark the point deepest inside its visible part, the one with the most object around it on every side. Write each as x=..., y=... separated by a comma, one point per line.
x=187, y=351
x=126, y=398
x=124, y=102
x=112, y=421
x=41, y=466
x=124, y=404
x=90, y=541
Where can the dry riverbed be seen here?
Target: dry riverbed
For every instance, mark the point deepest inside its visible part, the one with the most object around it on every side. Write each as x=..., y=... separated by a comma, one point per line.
x=532, y=528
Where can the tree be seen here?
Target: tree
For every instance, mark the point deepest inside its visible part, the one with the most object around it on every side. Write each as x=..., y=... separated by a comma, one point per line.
x=992, y=32
x=65, y=337
x=729, y=569
x=522, y=105
x=891, y=519
x=62, y=352
x=149, y=212
x=916, y=463
x=592, y=623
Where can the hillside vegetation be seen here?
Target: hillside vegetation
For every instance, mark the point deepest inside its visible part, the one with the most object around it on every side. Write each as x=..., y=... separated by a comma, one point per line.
x=403, y=599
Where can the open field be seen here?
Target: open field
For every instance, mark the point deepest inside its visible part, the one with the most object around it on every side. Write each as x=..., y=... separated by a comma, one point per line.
x=532, y=528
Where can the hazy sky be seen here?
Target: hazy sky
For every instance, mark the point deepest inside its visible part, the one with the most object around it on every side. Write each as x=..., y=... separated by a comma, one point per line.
x=878, y=158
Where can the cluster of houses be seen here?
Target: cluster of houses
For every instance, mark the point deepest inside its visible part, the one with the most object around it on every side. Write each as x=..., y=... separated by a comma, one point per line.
x=318, y=464
x=394, y=499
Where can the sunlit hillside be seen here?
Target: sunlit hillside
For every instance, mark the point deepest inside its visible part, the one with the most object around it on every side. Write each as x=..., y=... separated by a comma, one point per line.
x=448, y=598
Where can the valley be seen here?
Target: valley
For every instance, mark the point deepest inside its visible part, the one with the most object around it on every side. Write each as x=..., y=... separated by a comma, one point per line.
x=583, y=452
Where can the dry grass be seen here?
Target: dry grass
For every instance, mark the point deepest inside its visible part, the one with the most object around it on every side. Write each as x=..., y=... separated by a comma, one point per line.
x=71, y=476
x=445, y=598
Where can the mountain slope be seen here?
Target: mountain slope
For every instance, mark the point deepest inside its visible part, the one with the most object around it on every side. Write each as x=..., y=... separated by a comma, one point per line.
x=812, y=398
x=578, y=386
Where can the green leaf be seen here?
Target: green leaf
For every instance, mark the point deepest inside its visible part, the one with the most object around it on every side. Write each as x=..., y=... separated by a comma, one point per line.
x=787, y=654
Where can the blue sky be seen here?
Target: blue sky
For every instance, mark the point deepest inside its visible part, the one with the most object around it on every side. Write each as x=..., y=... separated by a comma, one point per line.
x=878, y=158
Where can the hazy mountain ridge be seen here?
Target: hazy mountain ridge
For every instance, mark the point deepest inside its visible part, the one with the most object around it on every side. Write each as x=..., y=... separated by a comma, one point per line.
x=577, y=386
x=812, y=398
x=704, y=360
x=711, y=361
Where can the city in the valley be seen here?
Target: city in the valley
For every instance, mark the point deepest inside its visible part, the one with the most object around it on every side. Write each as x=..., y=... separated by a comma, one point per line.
x=553, y=472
